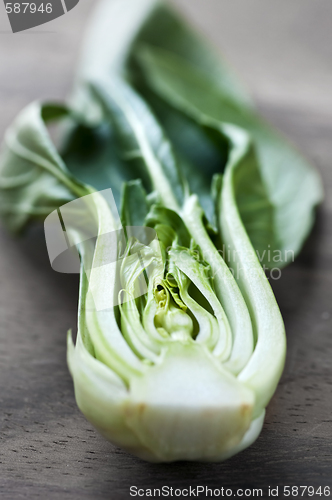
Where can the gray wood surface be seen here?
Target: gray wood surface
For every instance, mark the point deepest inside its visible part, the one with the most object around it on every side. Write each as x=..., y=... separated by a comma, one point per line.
x=283, y=52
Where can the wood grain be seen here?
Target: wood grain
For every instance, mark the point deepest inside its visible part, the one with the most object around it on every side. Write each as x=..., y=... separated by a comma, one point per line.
x=47, y=449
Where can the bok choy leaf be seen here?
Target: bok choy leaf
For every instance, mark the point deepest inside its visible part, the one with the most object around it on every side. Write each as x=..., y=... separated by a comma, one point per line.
x=180, y=342
x=186, y=83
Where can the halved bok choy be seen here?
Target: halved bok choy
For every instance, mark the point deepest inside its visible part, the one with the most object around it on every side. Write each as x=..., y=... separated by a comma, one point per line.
x=168, y=191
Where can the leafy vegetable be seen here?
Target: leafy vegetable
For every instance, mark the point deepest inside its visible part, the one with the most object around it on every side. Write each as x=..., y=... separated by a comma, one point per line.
x=180, y=341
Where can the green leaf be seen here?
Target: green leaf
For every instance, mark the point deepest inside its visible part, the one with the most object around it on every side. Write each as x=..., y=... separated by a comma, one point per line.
x=139, y=136
x=196, y=145
x=159, y=215
x=92, y=156
x=164, y=28
x=34, y=180
x=254, y=204
x=134, y=204
x=293, y=187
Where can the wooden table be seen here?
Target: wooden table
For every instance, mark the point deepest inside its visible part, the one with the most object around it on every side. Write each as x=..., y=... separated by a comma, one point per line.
x=283, y=51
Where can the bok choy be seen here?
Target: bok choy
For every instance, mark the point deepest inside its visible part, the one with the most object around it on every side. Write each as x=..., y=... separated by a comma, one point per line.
x=180, y=342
